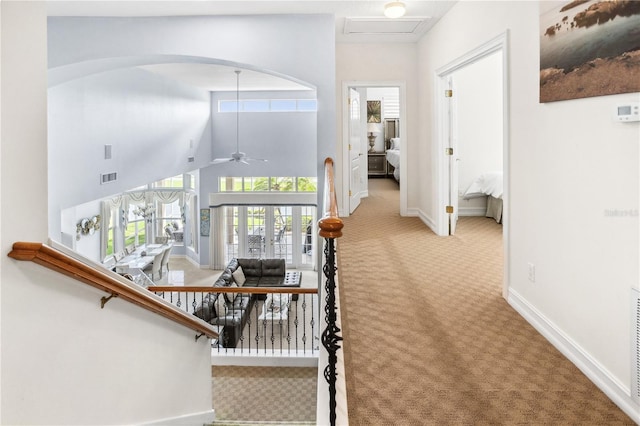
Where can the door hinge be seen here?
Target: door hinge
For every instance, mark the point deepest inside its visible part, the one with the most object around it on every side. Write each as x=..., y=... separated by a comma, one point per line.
x=349, y=101
x=448, y=151
x=349, y=147
x=449, y=209
x=448, y=93
x=349, y=193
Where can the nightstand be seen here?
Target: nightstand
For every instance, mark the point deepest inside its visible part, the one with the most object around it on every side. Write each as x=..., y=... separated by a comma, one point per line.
x=377, y=164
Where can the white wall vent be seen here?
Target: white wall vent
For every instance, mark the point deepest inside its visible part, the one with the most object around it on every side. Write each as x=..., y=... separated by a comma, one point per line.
x=108, y=177
x=635, y=343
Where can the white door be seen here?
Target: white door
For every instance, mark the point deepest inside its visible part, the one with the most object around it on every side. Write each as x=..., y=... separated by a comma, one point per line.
x=452, y=152
x=356, y=169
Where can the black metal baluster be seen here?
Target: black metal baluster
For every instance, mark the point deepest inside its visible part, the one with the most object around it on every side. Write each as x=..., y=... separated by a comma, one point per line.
x=313, y=322
x=330, y=338
x=304, y=324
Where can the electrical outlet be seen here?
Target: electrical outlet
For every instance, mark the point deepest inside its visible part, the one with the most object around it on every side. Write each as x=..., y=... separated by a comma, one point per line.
x=532, y=272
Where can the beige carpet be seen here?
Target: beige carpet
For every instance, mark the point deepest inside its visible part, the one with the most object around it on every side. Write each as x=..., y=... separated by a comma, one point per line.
x=266, y=394
x=429, y=340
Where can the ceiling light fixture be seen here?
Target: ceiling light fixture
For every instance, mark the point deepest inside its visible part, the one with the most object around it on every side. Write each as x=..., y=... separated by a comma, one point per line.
x=395, y=9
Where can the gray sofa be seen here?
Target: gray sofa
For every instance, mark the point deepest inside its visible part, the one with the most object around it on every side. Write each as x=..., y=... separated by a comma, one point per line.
x=232, y=312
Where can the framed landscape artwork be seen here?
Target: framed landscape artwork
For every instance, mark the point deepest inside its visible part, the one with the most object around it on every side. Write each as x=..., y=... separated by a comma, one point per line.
x=374, y=111
x=589, y=48
x=205, y=222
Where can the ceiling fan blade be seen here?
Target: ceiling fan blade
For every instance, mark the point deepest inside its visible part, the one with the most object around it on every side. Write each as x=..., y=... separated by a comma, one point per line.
x=221, y=160
x=244, y=161
x=255, y=159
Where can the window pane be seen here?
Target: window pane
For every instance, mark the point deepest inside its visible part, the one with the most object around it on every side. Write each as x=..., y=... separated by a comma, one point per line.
x=307, y=105
x=280, y=105
x=170, y=182
x=282, y=184
x=257, y=184
x=227, y=106
x=307, y=184
x=255, y=106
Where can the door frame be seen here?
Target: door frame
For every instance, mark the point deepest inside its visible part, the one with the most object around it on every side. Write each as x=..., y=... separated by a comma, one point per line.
x=356, y=84
x=441, y=131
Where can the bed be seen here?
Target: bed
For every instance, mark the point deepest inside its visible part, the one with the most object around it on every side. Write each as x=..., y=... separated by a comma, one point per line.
x=488, y=185
x=393, y=157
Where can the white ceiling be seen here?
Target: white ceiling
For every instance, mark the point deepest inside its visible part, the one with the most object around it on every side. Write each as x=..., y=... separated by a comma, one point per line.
x=360, y=21
x=220, y=78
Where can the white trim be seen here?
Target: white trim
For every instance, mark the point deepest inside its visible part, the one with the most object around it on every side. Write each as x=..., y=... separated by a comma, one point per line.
x=499, y=43
x=427, y=220
x=605, y=381
x=402, y=86
x=261, y=359
x=195, y=419
x=472, y=211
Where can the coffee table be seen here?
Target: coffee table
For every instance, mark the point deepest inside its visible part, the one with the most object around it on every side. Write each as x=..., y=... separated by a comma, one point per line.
x=270, y=317
x=293, y=279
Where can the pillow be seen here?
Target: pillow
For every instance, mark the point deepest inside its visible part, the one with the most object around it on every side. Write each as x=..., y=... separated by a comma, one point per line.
x=205, y=309
x=221, y=306
x=231, y=296
x=278, y=302
x=238, y=276
x=395, y=143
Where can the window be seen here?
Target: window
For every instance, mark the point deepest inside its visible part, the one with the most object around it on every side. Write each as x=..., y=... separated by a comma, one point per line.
x=269, y=105
x=110, y=233
x=268, y=184
x=169, y=221
x=266, y=231
x=135, y=232
x=170, y=182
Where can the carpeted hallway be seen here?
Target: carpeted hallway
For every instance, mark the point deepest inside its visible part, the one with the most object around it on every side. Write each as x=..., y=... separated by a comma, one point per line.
x=429, y=340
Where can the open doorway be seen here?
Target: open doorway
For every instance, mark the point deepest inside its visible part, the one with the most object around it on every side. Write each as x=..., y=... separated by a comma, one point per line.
x=472, y=135
x=381, y=128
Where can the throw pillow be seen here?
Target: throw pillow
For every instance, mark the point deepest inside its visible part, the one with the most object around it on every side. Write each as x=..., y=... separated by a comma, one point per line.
x=238, y=276
x=221, y=306
x=231, y=296
x=395, y=143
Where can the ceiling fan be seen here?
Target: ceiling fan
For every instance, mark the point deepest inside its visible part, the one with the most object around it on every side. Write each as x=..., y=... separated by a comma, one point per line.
x=238, y=157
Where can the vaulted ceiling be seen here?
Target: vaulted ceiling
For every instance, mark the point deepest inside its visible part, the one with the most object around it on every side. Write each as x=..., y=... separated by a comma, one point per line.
x=359, y=21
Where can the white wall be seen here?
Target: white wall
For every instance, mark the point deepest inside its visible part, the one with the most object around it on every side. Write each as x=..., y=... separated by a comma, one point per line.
x=570, y=164
x=149, y=121
x=87, y=245
x=65, y=360
x=286, y=139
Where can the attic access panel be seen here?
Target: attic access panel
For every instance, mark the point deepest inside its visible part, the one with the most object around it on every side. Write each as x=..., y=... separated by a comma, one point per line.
x=412, y=25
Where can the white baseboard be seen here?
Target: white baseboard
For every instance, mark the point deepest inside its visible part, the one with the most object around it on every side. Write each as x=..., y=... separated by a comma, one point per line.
x=612, y=387
x=195, y=419
x=472, y=211
x=427, y=220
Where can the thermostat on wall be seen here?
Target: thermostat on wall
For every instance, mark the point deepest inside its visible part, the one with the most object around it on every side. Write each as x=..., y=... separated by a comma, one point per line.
x=628, y=112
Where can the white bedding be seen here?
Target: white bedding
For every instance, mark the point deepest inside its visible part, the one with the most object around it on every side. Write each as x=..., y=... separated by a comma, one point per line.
x=489, y=183
x=393, y=157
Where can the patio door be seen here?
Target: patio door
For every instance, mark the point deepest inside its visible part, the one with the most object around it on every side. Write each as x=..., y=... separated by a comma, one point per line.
x=280, y=232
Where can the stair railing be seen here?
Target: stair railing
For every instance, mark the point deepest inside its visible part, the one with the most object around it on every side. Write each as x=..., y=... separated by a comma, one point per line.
x=330, y=228
x=111, y=283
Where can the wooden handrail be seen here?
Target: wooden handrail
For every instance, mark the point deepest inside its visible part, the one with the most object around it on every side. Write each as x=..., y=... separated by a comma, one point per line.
x=330, y=224
x=244, y=289
x=60, y=262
